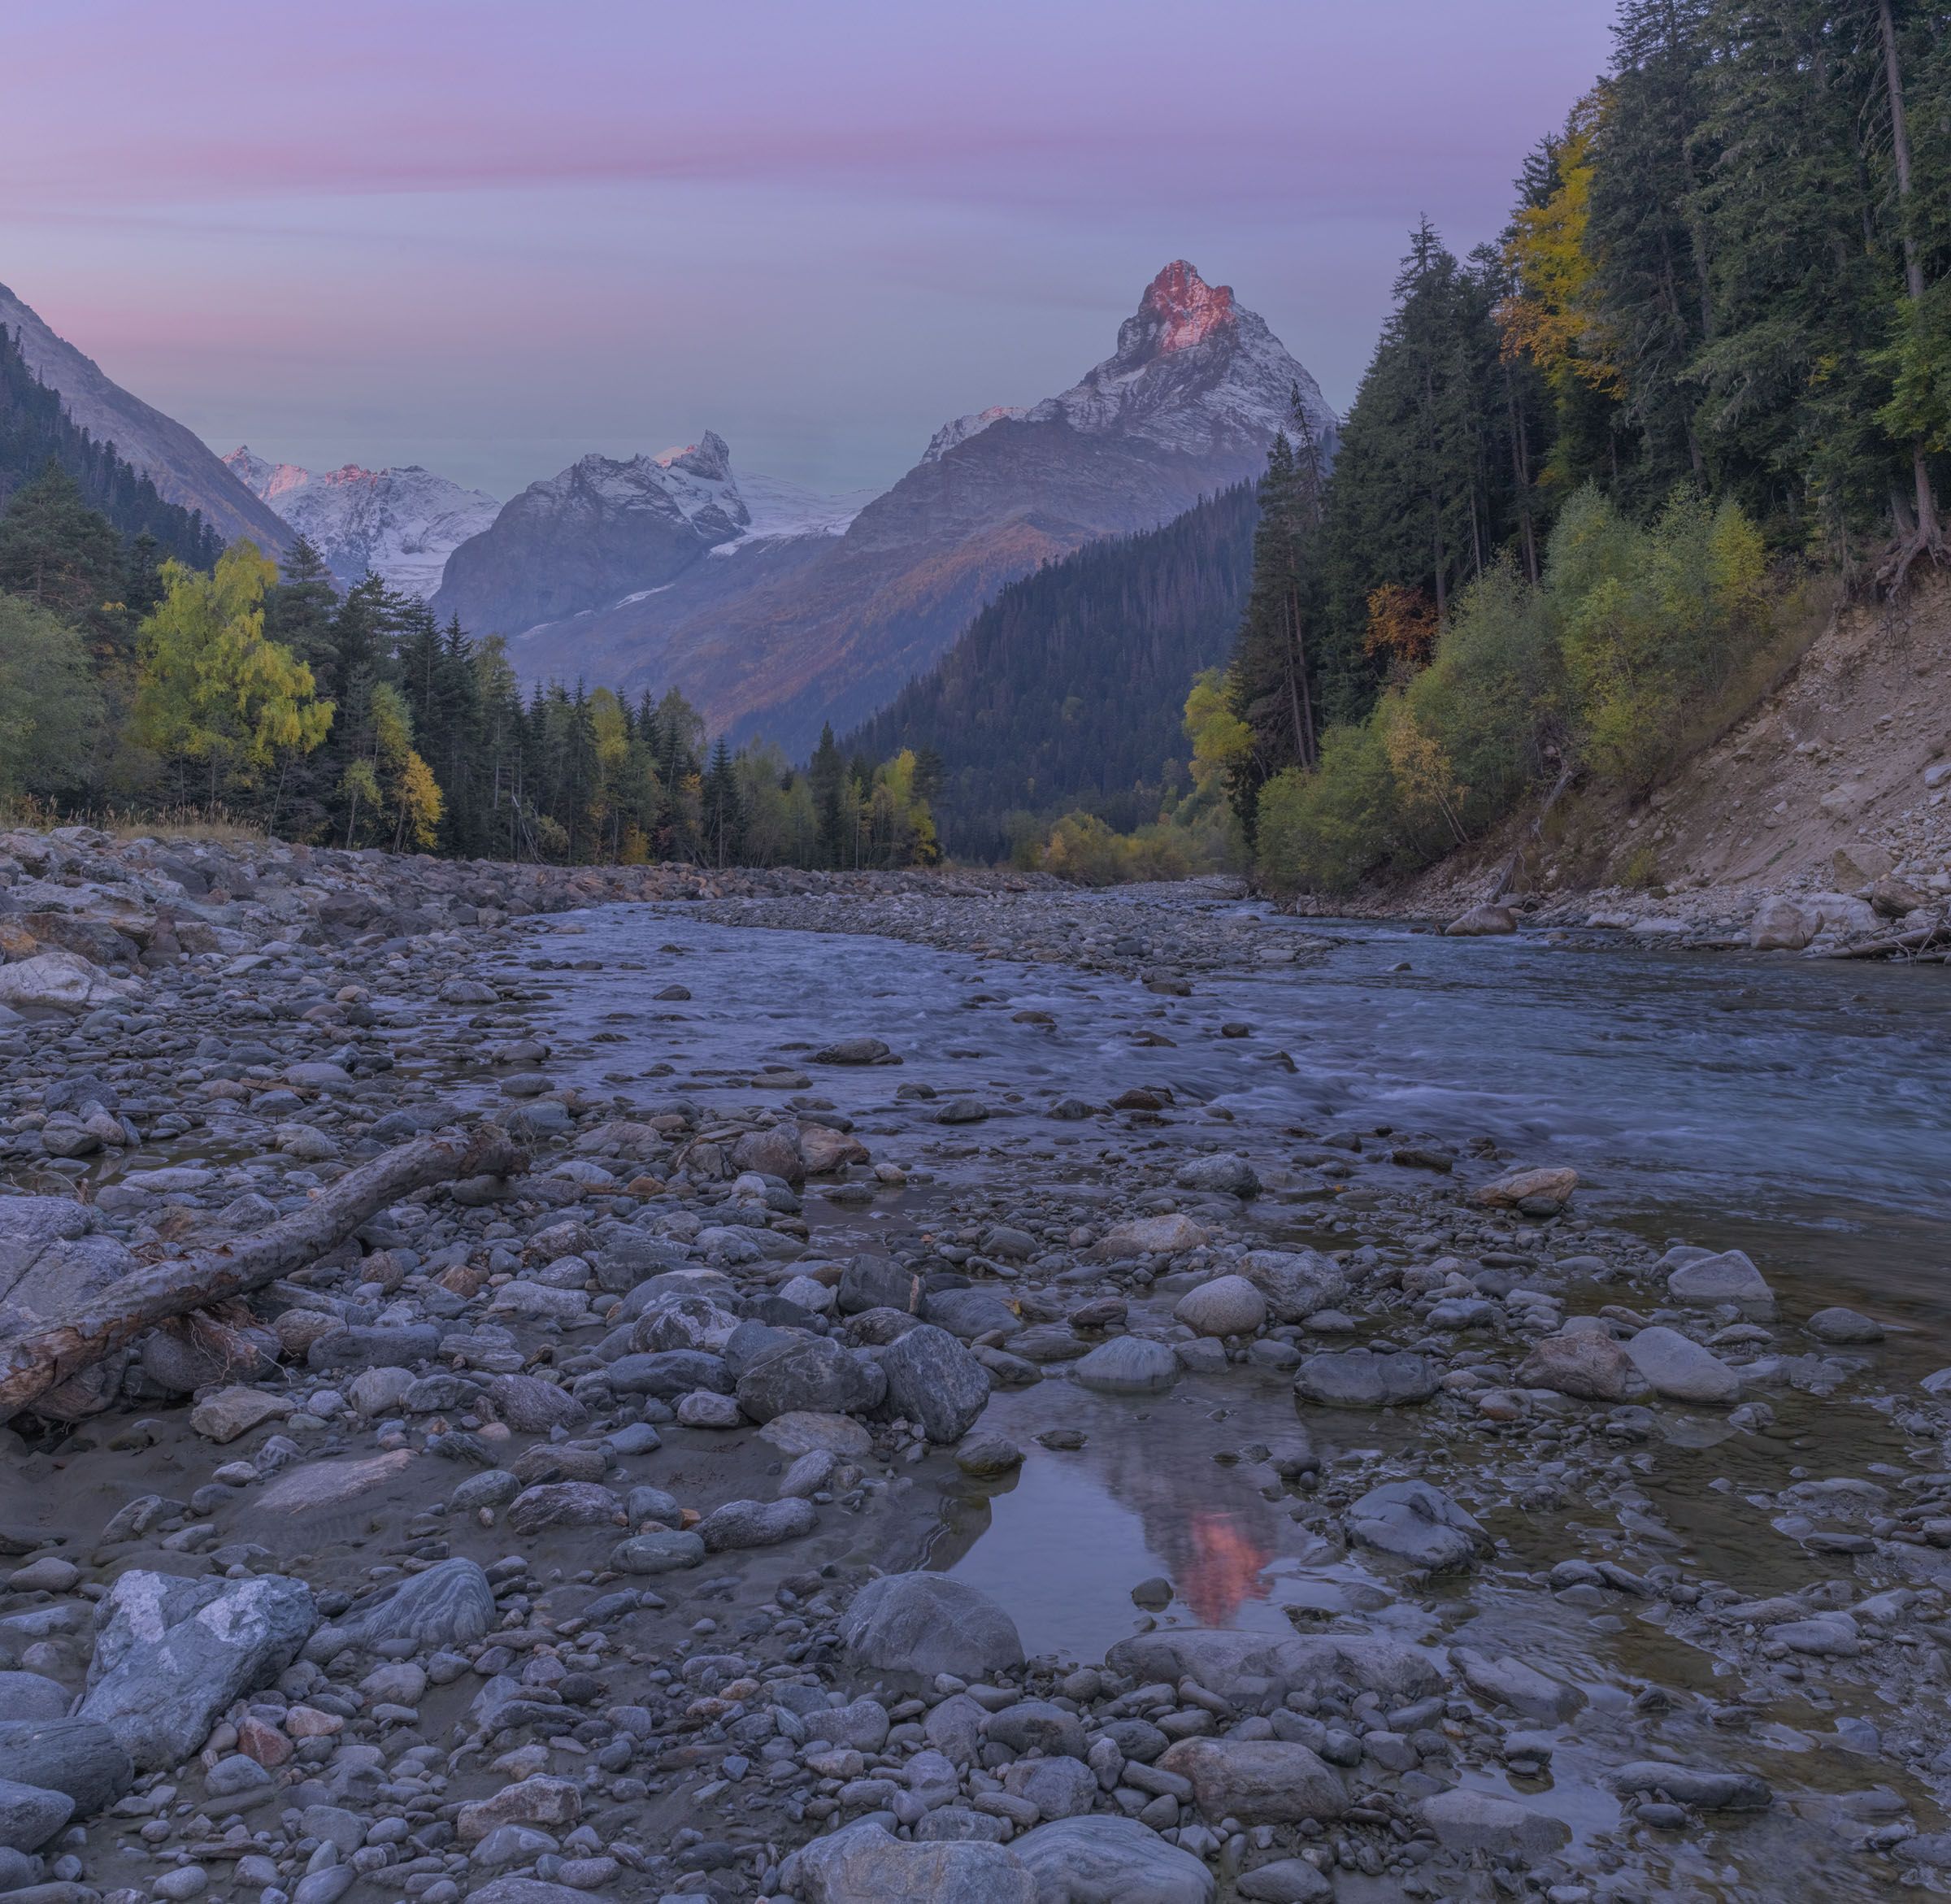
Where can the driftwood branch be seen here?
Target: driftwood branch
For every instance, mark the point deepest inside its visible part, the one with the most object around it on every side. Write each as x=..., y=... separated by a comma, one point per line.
x=43, y=1358
x=1918, y=939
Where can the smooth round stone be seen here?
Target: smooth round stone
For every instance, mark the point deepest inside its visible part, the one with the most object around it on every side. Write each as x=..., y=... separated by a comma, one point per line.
x=702, y=1409
x=1128, y=1365
x=1227, y=1305
x=658, y=1552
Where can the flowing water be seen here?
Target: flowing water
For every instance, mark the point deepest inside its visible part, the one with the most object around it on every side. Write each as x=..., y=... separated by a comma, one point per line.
x=1794, y=1108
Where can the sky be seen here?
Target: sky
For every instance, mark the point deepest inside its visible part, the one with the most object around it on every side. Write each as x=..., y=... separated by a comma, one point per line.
x=491, y=236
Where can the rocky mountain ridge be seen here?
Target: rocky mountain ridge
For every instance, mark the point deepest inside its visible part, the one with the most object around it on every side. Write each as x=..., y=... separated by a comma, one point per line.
x=1186, y=405
x=605, y=533
x=401, y=524
x=180, y=465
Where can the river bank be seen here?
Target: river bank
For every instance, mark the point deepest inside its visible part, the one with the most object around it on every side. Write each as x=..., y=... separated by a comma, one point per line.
x=973, y=1395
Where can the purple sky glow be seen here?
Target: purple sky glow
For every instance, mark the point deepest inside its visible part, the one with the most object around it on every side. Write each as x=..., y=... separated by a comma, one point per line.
x=489, y=236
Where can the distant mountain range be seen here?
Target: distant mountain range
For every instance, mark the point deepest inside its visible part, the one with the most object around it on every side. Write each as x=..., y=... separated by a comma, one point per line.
x=774, y=609
x=401, y=524
x=175, y=459
x=620, y=573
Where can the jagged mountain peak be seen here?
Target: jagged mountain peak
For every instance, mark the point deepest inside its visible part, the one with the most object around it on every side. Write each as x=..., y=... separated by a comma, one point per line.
x=1194, y=371
x=1179, y=310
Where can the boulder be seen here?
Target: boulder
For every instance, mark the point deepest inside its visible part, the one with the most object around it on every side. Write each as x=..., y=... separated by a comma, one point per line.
x=1258, y=1781
x=823, y=1151
x=1678, y=1367
x=1224, y=1174
x=855, y=1051
x=51, y=1260
x=1057, y=1787
x=451, y=1604
x=1587, y=1364
x=1533, y=1192
x=563, y=1504
x=1707, y=1789
x=1127, y=1365
x=865, y=1865
x=30, y=1815
x=1781, y=925
x=231, y=1412
x=935, y=1381
x=1107, y=1860
x=756, y=1523
x=1359, y=1378
x=876, y=1282
x=970, y=1313
x=926, y=1623
x=1730, y=1279
x=1296, y=1283
x=671, y=1551
x=1148, y=1235
x=76, y=1756
x=170, y=1654
x=808, y=1373
x=60, y=981
x=1226, y=1306
x=1466, y=1821
x=1861, y=864
x=1486, y=921
x=1505, y=1681
x=28, y=1695
x=1844, y=1328
x=1412, y=1521
x=773, y=1153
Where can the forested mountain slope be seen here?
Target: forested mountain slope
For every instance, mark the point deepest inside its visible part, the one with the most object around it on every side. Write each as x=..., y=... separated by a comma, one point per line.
x=1065, y=690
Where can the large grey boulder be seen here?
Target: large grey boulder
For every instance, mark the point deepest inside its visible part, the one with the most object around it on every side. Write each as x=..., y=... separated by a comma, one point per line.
x=1677, y=1366
x=1127, y=1365
x=1296, y=1283
x=451, y=1604
x=926, y=1623
x=876, y=1282
x=1587, y=1364
x=1226, y=1175
x=808, y=1372
x=969, y=1313
x=1412, y=1521
x=865, y=1865
x=71, y=1755
x=1258, y=1781
x=1224, y=1305
x=1466, y=1820
x=756, y=1523
x=1106, y=1860
x=30, y=1815
x=51, y=1261
x=1359, y=1378
x=170, y=1654
x=1731, y=1278
x=1505, y=1681
x=31, y=1695
x=1709, y=1788
x=935, y=1381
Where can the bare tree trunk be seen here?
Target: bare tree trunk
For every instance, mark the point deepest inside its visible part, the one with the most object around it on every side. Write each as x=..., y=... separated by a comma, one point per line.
x=1929, y=536
x=43, y=1358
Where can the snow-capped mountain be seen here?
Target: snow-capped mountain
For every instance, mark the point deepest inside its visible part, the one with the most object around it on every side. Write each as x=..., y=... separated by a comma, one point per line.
x=400, y=523
x=605, y=531
x=799, y=631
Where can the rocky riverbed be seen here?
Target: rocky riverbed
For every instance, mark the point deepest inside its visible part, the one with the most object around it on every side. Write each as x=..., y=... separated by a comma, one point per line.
x=878, y=1450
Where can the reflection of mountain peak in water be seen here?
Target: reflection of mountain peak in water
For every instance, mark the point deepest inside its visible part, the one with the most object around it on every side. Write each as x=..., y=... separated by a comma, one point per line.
x=1227, y=1567
x=1215, y=1550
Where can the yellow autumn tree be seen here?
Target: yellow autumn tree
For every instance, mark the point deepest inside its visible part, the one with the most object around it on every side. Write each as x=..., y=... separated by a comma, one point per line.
x=1426, y=781
x=1551, y=314
x=389, y=778
x=212, y=691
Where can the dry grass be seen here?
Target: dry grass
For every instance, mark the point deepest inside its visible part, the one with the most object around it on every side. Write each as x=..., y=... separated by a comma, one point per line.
x=206, y=825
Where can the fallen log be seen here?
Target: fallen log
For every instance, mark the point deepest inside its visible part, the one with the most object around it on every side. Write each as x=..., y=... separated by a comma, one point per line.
x=1921, y=939
x=42, y=1358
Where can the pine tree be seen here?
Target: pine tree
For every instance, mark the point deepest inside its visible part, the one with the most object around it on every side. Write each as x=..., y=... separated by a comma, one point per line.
x=828, y=775
x=723, y=820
